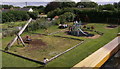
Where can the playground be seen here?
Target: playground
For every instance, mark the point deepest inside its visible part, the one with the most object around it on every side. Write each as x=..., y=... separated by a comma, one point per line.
x=42, y=46
x=47, y=43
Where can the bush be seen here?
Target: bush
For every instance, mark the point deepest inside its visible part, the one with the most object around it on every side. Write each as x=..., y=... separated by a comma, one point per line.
x=9, y=32
x=39, y=24
x=56, y=22
x=86, y=15
x=12, y=16
x=68, y=16
x=54, y=13
x=33, y=15
x=59, y=11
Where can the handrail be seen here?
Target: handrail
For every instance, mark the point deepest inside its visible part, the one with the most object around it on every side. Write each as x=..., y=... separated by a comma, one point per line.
x=98, y=58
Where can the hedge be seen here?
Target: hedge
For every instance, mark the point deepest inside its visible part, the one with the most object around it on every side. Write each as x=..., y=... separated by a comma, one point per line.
x=14, y=15
x=93, y=15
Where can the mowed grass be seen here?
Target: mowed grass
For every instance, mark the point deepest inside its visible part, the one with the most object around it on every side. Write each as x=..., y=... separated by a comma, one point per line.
x=88, y=47
x=49, y=30
x=50, y=46
x=74, y=56
x=14, y=24
x=13, y=61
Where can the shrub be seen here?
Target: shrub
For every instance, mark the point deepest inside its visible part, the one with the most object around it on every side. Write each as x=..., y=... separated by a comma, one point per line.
x=33, y=15
x=12, y=16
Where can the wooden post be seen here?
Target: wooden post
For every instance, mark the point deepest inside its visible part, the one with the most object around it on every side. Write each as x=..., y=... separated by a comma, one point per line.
x=20, y=32
x=19, y=37
x=18, y=42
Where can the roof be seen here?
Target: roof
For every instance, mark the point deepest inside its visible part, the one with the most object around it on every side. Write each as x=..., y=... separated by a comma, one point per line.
x=56, y=17
x=23, y=9
x=19, y=9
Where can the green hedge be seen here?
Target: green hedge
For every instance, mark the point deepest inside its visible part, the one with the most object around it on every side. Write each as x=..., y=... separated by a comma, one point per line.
x=39, y=24
x=93, y=15
x=33, y=15
x=12, y=16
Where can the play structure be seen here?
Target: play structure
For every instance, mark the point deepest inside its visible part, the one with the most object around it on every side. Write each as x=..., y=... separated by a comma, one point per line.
x=18, y=37
x=63, y=26
x=76, y=30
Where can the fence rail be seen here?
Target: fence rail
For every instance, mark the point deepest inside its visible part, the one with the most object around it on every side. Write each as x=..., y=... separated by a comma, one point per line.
x=98, y=58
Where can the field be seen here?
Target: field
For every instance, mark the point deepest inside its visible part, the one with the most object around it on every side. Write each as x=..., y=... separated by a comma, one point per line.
x=43, y=46
x=51, y=46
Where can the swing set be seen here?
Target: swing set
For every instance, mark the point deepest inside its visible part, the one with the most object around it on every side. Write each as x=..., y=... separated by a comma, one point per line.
x=18, y=37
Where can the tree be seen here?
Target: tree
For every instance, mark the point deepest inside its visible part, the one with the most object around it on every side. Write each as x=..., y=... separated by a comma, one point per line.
x=67, y=4
x=56, y=12
x=107, y=7
x=68, y=16
x=33, y=15
x=7, y=6
x=87, y=4
x=62, y=19
x=117, y=5
x=12, y=16
x=33, y=7
x=52, y=6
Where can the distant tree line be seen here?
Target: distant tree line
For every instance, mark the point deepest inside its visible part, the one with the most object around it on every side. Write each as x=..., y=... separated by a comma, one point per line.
x=14, y=15
x=100, y=13
x=52, y=9
x=9, y=6
x=40, y=8
x=91, y=15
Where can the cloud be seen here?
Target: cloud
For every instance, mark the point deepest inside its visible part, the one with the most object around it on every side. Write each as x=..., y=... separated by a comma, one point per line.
x=106, y=0
x=58, y=0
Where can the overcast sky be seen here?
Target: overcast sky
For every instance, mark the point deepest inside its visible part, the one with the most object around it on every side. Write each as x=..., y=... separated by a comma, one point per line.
x=22, y=3
x=58, y=0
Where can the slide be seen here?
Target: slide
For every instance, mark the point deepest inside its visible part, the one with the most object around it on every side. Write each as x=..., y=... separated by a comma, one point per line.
x=82, y=32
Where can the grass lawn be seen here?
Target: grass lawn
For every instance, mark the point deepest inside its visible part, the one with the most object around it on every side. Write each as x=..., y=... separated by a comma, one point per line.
x=13, y=61
x=87, y=48
x=45, y=46
x=72, y=57
x=50, y=30
x=13, y=24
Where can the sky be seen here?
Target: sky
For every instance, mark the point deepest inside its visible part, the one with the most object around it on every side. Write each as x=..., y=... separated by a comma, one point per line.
x=22, y=3
x=57, y=0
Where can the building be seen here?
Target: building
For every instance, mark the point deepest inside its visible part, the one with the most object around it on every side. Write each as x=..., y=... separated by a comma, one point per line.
x=19, y=9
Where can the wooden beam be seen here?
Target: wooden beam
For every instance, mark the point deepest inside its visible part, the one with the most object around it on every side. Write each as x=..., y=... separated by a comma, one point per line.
x=20, y=32
x=19, y=37
x=98, y=58
x=18, y=41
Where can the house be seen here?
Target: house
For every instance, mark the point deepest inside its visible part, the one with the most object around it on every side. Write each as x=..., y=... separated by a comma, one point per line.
x=19, y=9
x=56, y=17
x=25, y=9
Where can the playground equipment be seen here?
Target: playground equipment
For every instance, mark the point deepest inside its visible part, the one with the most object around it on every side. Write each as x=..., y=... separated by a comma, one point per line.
x=18, y=37
x=62, y=26
x=76, y=29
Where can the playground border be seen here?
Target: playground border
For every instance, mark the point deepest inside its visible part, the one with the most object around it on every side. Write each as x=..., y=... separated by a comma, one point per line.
x=65, y=52
x=23, y=57
x=42, y=63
